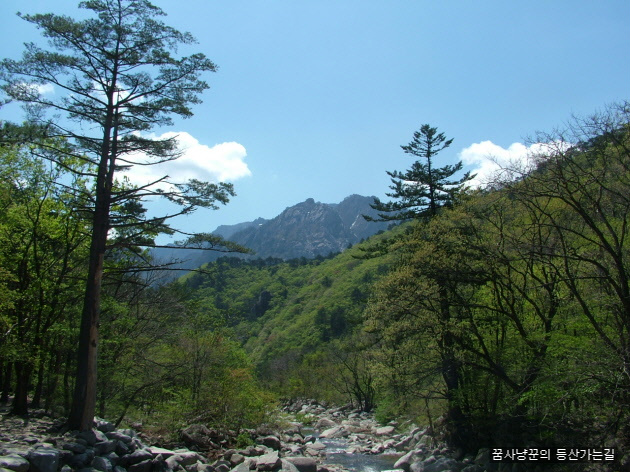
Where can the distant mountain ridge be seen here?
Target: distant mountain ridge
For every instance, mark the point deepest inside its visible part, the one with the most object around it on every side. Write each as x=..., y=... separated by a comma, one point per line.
x=307, y=229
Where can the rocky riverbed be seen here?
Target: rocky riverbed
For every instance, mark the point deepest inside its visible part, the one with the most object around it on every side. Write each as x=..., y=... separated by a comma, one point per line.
x=314, y=438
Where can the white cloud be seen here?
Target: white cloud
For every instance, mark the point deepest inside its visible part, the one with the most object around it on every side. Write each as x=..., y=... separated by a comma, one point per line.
x=220, y=163
x=491, y=162
x=45, y=88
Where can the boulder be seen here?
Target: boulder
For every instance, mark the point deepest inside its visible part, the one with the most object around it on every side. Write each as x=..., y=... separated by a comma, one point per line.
x=91, y=436
x=236, y=459
x=334, y=432
x=385, y=430
x=286, y=466
x=119, y=436
x=102, y=464
x=160, y=451
x=135, y=457
x=44, y=459
x=303, y=464
x=144, y=466
x=104, y=426
x=200, y=437
x=324, y=423
x=271, y=442
x=104, y=447
x=405, y=461
x=270, y=461
x=14, y=462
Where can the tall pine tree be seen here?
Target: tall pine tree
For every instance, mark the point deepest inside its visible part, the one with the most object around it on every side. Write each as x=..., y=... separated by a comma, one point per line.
x=420, y=191
x=115, y=78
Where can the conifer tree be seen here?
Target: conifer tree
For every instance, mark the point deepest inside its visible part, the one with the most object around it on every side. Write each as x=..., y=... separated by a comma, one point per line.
x=115, y=77
x=420, y=191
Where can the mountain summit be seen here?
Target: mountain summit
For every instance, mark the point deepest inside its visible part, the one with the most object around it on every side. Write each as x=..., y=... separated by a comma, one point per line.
x=308, y=229
x=311, y=229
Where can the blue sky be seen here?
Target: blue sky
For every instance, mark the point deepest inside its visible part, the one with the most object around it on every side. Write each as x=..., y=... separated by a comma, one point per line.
x=314, y=98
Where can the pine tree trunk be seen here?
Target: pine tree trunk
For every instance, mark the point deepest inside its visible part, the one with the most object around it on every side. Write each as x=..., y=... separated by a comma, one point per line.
x=84, y=398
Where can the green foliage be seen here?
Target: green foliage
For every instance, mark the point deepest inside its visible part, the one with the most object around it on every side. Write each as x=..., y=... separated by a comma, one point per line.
x=286, y=313
x=512, y=306
x=424, y=188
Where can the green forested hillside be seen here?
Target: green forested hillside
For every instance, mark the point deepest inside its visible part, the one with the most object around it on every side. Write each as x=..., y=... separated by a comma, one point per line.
x=286, y=313
x=508, y=313
x=505, y=313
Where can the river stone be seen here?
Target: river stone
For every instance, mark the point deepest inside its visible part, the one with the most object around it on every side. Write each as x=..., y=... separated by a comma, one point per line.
x=43, y=459
x=303, y=464
x=317, y=446
x=104, y=426
x=119, y=436
x=92, y=436
x=334, y=432
x=242, y=467
x=270, y=461
x=17, y=450
x=135, y=457
x=236, y=459
x=144, y=466
x=104, y=447
x=325, y=423
x=385, y=431
x=405, y=461
x=272, y=442
x=156, y=451
x=14, y=462
x=102, y=464
x=286, y=466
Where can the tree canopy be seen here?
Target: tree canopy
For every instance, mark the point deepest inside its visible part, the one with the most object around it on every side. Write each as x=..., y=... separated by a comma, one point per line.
x=116, y=77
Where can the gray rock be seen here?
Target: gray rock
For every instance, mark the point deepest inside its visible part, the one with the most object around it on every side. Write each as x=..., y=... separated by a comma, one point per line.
x=324, y=423
x=79, y=461
x=14, y=462
x=334, y=432
x=144, y=466
x=270, y=461
x=74, y=447
x=18, y=450
x=286, y=466
x=272, y=442
x=236, y=459
x=119, y=436
x=122, y=449
x=405, y=461
x=303, y=464
x=385, y=431
x=317, y=445
x=102, y=464
x=104, y=426
x=44, y=459
x=104, y=447
x=243, y=467
x=160, y=451
x=186, y=458
x=141, y=455
x=92, y=436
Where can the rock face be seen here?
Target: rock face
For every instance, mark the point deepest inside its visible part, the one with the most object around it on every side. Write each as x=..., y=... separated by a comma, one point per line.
x=308, y=229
